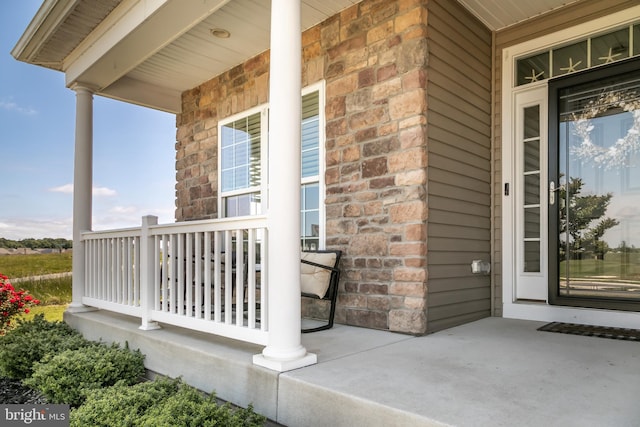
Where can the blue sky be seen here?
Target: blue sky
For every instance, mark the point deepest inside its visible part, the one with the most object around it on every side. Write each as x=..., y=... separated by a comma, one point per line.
x=134, y=157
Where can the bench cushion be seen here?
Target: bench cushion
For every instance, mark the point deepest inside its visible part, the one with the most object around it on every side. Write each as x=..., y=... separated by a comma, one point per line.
x=315, y=280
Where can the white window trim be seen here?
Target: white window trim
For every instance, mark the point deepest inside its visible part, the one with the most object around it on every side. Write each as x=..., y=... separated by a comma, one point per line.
x=263, y=109
x=537, y=310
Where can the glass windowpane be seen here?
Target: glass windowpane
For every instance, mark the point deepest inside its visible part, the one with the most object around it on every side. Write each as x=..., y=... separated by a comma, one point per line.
x=570, y=59
x=610, y=47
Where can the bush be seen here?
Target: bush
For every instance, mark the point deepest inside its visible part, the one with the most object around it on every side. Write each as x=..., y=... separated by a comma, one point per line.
x=12, y=303
x=30, y=341
x=159, y=403
x=68, y=376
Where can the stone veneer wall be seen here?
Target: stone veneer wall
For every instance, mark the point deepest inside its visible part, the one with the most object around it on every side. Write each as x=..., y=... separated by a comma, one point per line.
x=373, y=57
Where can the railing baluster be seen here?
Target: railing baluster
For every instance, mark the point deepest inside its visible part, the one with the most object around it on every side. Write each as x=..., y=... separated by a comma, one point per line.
x=217, y=272
x=239, y=278
x=251, y=279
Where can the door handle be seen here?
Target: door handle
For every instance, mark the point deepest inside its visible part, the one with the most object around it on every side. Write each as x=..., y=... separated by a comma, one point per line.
x=552, y=192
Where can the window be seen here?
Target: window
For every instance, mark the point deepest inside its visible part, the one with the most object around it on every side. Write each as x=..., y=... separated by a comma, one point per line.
x=591, y=52
x=242, y=167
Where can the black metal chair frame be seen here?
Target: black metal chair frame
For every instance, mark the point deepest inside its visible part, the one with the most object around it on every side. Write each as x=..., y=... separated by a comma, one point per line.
x=332, y=292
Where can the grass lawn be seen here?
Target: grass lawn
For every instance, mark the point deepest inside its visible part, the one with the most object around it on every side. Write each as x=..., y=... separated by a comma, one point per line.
x=14, y=266
x=54, y=294
x=52, y=313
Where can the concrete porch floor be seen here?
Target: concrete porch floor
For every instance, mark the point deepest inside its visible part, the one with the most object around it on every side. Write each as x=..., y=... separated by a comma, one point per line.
x=492, y=372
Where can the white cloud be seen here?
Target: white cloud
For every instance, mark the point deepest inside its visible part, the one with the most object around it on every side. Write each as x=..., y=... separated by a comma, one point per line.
x=97, y=191
x=12, y=106
x=103, y=191
x=36, y=228
x=67, y=189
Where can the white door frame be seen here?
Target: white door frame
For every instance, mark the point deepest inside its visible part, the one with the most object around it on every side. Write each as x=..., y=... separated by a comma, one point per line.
x=512, y=306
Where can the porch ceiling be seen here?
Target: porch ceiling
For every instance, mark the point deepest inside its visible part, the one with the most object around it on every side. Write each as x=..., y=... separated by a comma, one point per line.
x=149, y=52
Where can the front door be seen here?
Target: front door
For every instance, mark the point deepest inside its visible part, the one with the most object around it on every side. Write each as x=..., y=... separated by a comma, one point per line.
x=593, y=188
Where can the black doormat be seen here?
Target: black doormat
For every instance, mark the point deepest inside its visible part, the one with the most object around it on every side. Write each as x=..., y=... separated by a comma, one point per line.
x=593, y=331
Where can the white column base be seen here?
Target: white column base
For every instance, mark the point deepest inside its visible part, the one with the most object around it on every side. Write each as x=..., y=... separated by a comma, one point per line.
x=285, y=365
x=149, y=326
x=79, y=308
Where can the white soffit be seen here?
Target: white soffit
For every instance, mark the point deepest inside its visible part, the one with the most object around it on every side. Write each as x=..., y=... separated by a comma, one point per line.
x=499, y=14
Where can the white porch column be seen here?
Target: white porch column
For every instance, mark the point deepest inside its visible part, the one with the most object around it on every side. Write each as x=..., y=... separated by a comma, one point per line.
x=284, y=350
x=82, y=187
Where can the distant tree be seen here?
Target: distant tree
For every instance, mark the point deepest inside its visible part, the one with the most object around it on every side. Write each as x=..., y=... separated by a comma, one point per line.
x=46, y=243
x=586, y=224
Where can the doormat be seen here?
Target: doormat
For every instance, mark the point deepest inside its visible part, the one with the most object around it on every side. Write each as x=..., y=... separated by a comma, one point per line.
x=593, y=331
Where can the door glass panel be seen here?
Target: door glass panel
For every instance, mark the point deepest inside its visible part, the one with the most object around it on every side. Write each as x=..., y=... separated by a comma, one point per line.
x=531, y=179
x=599, y=206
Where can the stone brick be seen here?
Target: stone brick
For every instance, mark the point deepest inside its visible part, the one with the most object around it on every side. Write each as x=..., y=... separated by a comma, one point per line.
x=368, y=245
x=373, y=288
x=367, y=118
x=352, y=211
x=366, y=134
x=378, y=303
x=415, y=211
x=408, y=321
x=367, y=318
x=374, y=167
x=413, y=137
x=311, y=35
x=414, y=158
x=311, y=51
x=410, y=274
x=412, y=177
x=408, y=249
x=408, y=289
x=407, y=104
x=353, y=300
x=355, y=26
x=335, y=69
x=351, y=154
x=336, y=127
x=417, y=16
x=342, y=48
x=415, y=232
x=386, y=72
x=342, y=86
x=366, y=78
x=386, y=89
x=359, y=100
x=335, y=107
x=341, y=226
x=373, y=208
x=384, y=182
x=380, y=32
x=377, y=275
x=330, y=33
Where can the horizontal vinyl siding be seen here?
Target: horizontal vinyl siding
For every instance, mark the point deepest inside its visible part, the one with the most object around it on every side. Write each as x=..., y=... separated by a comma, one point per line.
x=566, y=17
x=459, y=169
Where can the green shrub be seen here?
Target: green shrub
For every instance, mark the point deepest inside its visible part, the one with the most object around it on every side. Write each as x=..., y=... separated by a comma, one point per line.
x=121, y=404
x=156, y=404
x=32, y=340
x=69, y=375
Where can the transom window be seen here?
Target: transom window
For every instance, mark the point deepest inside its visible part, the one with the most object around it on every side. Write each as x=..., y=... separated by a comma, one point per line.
x=591, y=52
x=243, y=141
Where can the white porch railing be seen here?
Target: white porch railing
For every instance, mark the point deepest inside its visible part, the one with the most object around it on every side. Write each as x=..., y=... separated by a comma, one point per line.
x=201, y=275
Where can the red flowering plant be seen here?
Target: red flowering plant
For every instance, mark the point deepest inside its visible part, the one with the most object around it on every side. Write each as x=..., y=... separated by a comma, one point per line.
x=12, y=303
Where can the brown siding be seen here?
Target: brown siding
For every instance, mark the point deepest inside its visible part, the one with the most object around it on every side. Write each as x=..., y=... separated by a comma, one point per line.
x=459, y=169
x=569, y=16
